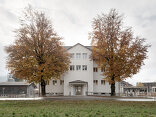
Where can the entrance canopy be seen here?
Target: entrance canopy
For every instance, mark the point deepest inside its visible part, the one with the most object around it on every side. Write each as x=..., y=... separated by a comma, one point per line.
x=78, y=82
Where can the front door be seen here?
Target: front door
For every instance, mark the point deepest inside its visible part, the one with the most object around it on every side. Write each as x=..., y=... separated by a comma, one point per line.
x=78, y=90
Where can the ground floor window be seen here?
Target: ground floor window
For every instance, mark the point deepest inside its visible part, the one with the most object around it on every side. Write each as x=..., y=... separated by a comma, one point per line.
x=72, y=67
x=102, y=82
x=95, y=69
x=84, y=67
x=61, y=82
x=78, y=67
x=95, y=82
x=54, y=82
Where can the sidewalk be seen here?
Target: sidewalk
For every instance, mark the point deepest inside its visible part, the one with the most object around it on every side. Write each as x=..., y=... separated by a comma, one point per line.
x=89, y=98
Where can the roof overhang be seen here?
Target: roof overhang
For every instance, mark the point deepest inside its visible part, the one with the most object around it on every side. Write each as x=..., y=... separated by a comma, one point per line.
x=78, y=82
x=69, y=47
x=14, y=84
x=134, y=87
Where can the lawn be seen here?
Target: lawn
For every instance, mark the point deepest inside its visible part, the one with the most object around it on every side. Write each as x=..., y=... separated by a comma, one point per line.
x=77, y=109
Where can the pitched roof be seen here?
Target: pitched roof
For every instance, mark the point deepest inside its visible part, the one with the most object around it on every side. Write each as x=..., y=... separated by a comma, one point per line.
x=69, y=47
x=135, y=87
x=13, y=83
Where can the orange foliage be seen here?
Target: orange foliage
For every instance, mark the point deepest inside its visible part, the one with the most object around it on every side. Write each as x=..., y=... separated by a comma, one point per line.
x=37, y=52
x=115, y=48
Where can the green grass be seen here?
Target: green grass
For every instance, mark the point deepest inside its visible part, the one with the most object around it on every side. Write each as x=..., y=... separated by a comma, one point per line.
x=77, y=109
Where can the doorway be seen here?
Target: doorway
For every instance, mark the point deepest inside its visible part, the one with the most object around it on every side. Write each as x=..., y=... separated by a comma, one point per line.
x=78, y=90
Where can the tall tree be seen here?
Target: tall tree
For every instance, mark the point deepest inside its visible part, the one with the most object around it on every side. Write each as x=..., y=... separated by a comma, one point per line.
x=115, y=48
x=37, y=54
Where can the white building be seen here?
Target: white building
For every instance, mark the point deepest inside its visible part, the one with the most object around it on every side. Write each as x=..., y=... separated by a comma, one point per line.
x=83, y=77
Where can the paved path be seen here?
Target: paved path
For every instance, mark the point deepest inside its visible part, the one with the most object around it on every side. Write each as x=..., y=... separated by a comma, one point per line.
x=83, y=98
x=98, y=98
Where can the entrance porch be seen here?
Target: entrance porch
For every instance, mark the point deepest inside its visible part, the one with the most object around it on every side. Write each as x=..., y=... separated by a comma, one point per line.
x=78, y=87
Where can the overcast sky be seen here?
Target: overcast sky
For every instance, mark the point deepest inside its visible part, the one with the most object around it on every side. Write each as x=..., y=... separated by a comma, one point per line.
x=72, y=20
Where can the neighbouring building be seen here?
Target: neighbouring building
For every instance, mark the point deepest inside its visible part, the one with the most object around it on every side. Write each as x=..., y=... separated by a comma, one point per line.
x=135, y=91
x=83, y=77
x=12, y=88
x=141, y=89
x=122, y=85
x=149, y=85
x=151, y=88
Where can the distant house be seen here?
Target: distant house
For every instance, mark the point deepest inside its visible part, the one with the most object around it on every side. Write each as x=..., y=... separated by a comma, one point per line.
x=150, y=86
x=16, y=89
x=135, y=91
x=124, y=84
x=141, y=89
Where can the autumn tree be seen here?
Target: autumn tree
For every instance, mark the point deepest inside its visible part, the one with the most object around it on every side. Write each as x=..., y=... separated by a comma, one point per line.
x=115, y=48
x=37, y=54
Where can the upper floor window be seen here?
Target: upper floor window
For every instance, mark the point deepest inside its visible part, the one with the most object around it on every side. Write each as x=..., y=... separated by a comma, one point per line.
x=72, y=67
x=96, y=82
x=78, y=67
x=72, y=55
x=102, y=69
x=61, y=82
x=102, y=82
x=78, y=55
x=54, y=82
x=95, y=69
x=84, y=67
x=84, y=55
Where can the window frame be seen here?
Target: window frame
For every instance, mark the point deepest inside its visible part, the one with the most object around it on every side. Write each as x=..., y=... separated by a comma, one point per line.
x=102, y=69
x=95, y=69
x=72, y=55
x=78, y=55
x=72, y=67
x=95, y=82
x=54, y=82
x=61, y=82
x=78, y=67
x=84, y=55
x=103, y=82
x=84, y=67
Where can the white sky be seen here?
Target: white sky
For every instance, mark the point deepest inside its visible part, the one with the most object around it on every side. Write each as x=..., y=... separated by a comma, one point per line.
x=72, y=20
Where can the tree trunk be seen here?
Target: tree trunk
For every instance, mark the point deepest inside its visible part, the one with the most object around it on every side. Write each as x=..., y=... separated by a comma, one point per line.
x=113, y=87
x=43, y=87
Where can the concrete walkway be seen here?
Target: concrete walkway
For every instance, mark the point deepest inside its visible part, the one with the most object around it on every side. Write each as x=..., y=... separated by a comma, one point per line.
x=36, y=98
x=98, y=98
x=83, y=98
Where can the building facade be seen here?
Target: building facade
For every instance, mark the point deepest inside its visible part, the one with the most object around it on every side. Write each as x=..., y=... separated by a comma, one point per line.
x=141, y=89
x=16, y=88
x=83, y=77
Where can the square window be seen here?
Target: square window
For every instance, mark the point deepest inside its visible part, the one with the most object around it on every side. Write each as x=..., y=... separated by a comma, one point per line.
x=84, y=67
x=72, y=55
x=54, y=82
x=78, y=55
x=96, y=82
x=84, y=55
x=102, y=69
x=61, y=82
x=102, y=82
x=95, y=69
x=78, y=67
x=72, y=67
